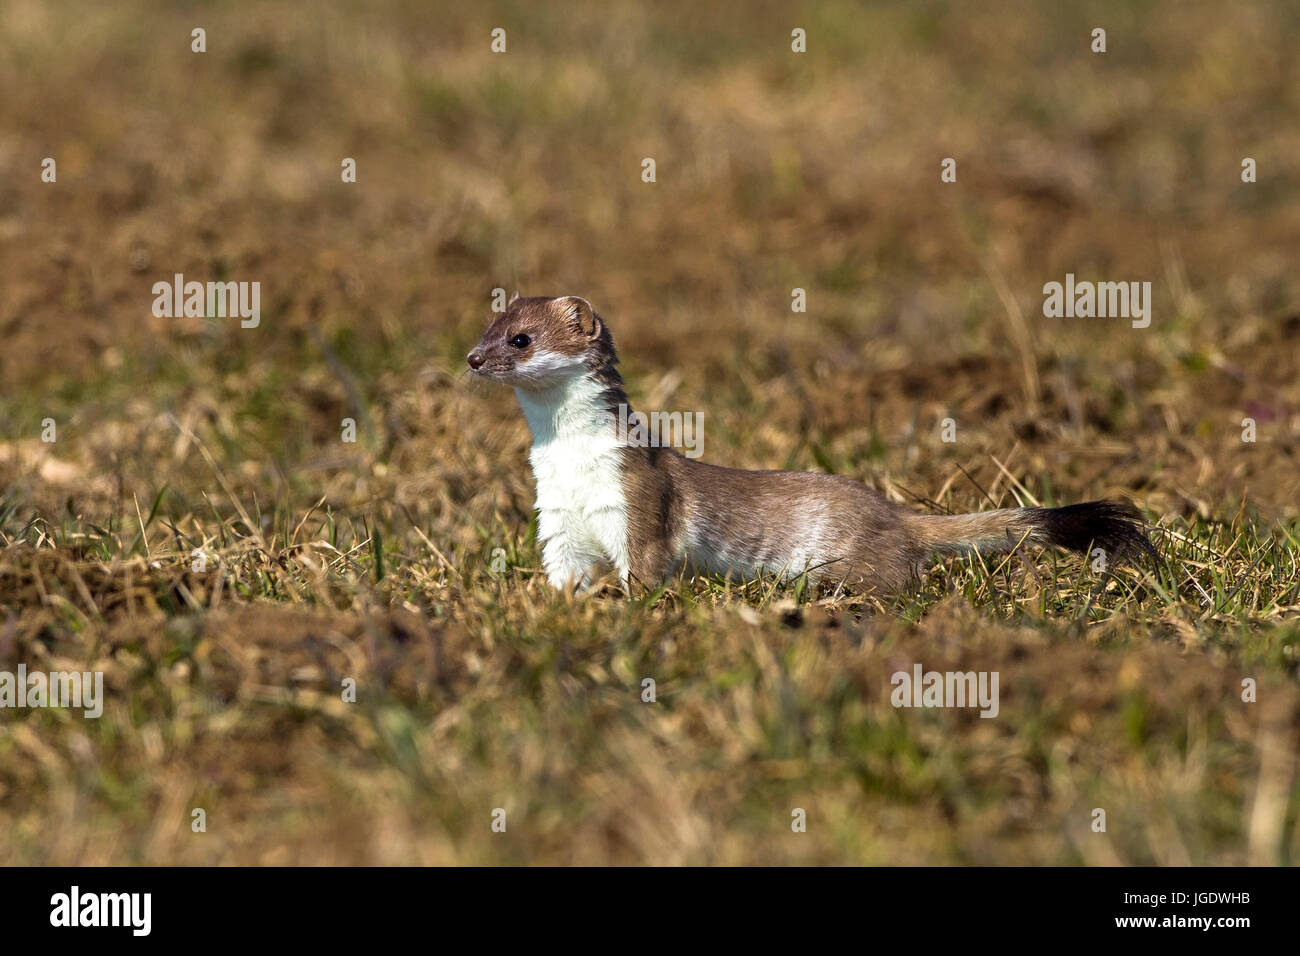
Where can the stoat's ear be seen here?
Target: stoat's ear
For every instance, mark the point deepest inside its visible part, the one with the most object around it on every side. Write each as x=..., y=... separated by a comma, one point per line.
x=580, y=312
x=513, y=296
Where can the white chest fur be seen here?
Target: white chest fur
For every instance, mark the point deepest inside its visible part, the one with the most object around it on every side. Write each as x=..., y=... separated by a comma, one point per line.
x=581, y=508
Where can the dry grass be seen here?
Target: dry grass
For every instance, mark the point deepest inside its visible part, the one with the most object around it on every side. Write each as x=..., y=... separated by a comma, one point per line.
x=371, y=560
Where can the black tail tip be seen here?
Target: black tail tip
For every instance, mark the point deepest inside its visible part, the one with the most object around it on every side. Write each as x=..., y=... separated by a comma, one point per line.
x=1114, y=526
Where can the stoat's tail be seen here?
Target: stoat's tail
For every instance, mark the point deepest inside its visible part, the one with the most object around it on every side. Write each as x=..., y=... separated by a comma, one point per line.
x=1115, y=527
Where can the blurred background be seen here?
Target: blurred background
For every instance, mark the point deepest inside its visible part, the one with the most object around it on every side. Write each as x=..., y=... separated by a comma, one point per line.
x=775, y=171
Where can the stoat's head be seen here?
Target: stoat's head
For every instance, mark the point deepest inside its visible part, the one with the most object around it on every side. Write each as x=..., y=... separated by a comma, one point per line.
x=541, y=342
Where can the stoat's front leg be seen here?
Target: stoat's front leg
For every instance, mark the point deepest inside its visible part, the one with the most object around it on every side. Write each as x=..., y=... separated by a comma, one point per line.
x=570, y=559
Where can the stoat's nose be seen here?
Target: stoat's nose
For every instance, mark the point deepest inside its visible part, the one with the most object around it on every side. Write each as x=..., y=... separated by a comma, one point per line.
x=475, y=360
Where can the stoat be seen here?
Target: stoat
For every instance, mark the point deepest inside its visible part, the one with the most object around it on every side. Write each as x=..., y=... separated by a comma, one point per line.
x=648, y=512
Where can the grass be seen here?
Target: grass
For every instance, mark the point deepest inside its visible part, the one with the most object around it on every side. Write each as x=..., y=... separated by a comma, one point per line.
x=480, y=688
x=406, y=561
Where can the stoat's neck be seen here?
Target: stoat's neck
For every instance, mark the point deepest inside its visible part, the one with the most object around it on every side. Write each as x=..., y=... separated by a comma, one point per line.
x=581, y=409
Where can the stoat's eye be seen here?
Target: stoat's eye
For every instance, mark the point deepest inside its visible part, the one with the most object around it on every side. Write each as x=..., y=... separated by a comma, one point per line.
x=520, y=341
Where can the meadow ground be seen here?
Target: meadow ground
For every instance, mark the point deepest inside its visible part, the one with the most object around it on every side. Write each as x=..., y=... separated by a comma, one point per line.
x=406, y=560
